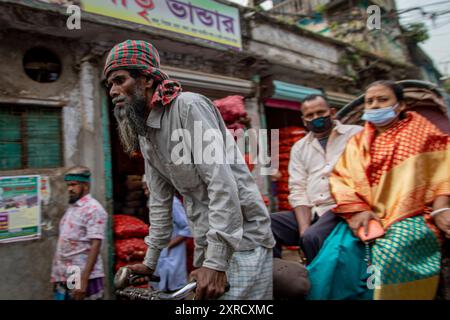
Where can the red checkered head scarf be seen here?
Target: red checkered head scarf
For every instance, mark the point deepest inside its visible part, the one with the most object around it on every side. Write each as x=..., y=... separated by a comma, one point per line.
x=143, y=56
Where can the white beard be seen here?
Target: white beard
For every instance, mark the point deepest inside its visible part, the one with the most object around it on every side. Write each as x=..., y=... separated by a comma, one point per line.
x=130, y=124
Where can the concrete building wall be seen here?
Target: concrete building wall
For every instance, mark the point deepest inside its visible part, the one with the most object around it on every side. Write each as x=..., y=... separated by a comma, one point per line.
x=283, y=47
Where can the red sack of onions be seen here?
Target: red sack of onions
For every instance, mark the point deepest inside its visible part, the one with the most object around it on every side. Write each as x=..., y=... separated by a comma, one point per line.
x=129, y=227
x=130, y=249
x=231, y=108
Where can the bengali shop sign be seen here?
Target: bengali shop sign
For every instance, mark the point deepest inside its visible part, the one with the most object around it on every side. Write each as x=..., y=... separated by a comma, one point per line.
x=205, y=19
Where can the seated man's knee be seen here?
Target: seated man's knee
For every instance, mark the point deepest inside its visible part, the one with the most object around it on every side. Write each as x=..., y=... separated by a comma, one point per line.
x=309, y=236
x=274, y=222
x=276, y=218
x=276, y=225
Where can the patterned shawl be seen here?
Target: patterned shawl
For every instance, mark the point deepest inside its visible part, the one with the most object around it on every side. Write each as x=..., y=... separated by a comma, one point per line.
x=396, y=174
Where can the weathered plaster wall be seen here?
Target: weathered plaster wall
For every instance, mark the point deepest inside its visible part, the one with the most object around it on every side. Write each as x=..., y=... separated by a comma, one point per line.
x=283, y=47
x=25, y=266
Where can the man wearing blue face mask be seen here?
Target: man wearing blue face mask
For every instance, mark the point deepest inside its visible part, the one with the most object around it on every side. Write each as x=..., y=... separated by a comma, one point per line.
x=311, y=162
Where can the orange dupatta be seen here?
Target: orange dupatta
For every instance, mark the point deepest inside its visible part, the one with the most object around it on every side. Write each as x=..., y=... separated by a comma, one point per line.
x=396, y=174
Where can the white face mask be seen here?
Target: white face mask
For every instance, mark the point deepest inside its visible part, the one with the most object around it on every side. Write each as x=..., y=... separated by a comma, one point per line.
x=380, y=117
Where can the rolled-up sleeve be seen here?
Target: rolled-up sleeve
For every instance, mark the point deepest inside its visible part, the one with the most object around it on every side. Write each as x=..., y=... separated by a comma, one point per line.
x=225, y=216
x=160, y=207
x=297, y=179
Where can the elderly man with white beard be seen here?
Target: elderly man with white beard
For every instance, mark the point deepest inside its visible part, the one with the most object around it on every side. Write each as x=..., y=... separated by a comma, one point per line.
x=229, y=221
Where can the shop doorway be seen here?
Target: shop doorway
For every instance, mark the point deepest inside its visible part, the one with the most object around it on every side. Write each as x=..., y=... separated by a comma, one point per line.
x=278, y=118
x=290, y=126
x=127, y=172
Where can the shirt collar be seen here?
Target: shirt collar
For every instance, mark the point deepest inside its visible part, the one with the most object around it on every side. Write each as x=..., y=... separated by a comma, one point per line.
x=83, y=200
x=155, y=116
x=338, y=127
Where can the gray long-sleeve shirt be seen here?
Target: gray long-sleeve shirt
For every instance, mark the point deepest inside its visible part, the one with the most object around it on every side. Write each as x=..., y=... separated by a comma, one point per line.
x=224, y=206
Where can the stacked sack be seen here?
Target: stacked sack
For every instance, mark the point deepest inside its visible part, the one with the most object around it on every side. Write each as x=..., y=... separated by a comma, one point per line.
x=129, y=234
x=288, y=136
x=133, y=195
x=134, y=203
x=232, y=109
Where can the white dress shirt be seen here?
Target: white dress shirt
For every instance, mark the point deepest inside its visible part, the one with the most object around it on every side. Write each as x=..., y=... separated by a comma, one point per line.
x=310, y=167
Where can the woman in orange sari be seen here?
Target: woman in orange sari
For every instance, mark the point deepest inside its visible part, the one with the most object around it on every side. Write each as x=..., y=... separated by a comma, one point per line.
x=397, y=171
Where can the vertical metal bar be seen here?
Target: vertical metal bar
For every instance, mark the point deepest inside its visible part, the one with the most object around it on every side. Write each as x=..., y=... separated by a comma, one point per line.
x=108, y=182
x=24, y=135
x=61, y=138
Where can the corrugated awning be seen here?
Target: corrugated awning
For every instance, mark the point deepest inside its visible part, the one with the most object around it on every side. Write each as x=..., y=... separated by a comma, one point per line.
x=291, y=92
x=195, y=79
